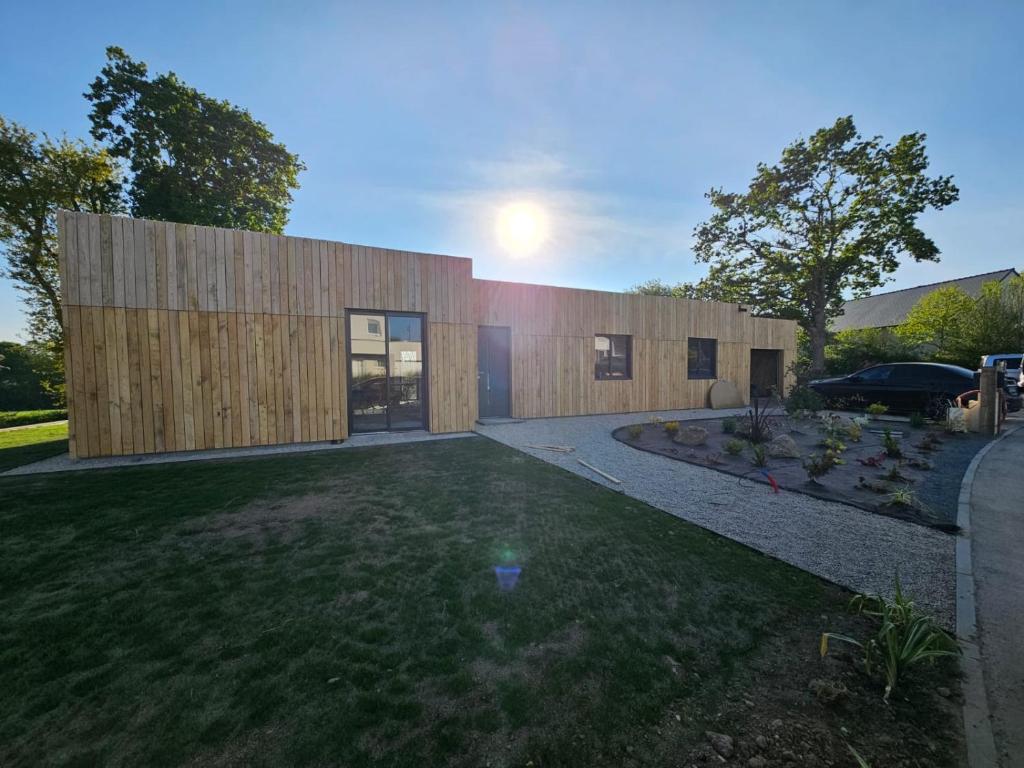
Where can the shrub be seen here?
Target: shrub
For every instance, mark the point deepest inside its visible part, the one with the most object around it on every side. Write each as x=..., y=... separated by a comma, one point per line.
x=671, y=428
x=891, y=445
x=905, y=637
x=735, y=447
x=803, y=398
x=820, y=465
x=635, y=431
x=854, y=431
x=833, y=445
x=22, y=418
x=729, y=425
x=916, y=420
x=877, y=409
x=760, y=458
x=759, y=425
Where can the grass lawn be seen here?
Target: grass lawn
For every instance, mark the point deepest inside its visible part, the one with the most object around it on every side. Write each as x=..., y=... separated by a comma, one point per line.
x=27, y=444
x=341, y=608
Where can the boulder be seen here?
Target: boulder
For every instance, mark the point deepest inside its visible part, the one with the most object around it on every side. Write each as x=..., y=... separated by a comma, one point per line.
x=691, y=435
x=721, y=743
x=724, y=394
x=784, y=447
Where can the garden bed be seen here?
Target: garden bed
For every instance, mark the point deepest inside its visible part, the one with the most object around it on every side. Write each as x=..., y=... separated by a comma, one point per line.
x=918, y=479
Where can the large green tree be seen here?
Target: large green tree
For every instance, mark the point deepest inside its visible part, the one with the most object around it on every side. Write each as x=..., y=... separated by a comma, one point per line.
x=191, y=158
x=831, y=218
x=38, y=175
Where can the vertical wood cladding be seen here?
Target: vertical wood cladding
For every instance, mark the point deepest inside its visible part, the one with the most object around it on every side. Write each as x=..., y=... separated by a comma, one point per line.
x=182, y=337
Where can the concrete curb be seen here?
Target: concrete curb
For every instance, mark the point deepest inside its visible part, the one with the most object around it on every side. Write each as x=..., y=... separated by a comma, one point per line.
x=981, y=746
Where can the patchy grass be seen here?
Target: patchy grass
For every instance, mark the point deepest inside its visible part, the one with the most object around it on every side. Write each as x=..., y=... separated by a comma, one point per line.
x=341, y=608
x=27, y=444
x=21, y=418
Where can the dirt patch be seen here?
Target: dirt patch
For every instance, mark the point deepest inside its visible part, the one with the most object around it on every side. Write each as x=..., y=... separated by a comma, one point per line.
x=913, y=474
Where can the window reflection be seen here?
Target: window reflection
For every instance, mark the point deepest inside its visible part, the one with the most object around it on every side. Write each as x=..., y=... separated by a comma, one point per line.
x=387, y=372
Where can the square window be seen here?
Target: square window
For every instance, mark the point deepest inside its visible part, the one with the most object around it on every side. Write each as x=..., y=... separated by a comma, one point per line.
x=373, y=327
x=613, y=358
x=702, y=359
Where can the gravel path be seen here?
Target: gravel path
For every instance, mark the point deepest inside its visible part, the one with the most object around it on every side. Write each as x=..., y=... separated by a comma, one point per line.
x=849, y=546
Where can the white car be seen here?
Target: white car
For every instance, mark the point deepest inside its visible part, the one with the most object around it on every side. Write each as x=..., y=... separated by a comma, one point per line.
x=1014, y=371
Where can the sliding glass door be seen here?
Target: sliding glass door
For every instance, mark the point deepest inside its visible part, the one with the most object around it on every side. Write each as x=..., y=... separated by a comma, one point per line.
x=387, y=370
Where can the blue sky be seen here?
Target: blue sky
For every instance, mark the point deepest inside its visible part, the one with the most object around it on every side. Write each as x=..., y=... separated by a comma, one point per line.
x=418, y=121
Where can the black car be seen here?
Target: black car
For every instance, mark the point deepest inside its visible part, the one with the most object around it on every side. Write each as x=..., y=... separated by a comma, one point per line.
x=925, y=388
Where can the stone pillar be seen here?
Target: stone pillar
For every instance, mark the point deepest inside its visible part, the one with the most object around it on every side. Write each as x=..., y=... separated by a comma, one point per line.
x=988, y=418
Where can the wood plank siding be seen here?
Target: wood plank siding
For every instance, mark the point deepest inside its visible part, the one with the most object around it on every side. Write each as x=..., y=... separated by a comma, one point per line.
x=182, y=337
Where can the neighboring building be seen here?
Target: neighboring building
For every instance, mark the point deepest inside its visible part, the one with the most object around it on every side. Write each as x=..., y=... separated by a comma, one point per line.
x=885, y=310
x=181, y=337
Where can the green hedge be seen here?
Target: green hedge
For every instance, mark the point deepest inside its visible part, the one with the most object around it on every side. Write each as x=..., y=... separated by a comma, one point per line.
x=20, y=418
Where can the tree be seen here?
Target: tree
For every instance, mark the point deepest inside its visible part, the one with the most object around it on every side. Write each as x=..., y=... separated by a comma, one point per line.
x=853, y=349
x=949, y=326
x=832, y=217
x=38, y=176
x=192, y=158
x=29, y=378
x=659, y=288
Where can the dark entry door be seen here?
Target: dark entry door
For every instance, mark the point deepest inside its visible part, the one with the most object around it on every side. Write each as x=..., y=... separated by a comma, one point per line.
x=493, y=349
x=765, y=372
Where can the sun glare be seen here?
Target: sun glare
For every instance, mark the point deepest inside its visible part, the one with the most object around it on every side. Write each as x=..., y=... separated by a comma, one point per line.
x=522, y=228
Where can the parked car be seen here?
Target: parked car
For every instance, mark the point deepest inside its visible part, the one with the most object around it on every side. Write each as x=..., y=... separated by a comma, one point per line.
x=926, y=388
x=1014, y=371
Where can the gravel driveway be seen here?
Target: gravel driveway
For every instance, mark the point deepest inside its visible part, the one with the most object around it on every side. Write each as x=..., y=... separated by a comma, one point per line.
x=857, y=549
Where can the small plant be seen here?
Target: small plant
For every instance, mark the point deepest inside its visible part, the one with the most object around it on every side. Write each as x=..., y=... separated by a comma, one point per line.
x=854, y=431
x=760, y=455
x=930, y=442
x=905, y=637
x=877, y=409
x=671, y=428
x=891, y=445
x=901, y=497
x=729, y=425
x=916, y=420
x=895, y=476
x=655, y=420
x=759, y=426
x=803, y=399
x=635, y=431
x=820, y=465
x=833, y=444
x=735, y=447
x=917, y=463
x=873, y=461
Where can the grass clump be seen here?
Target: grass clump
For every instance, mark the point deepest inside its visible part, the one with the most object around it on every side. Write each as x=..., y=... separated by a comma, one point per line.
x=729, y=425
x=877, y=409
x=671, y=428
x=734, y=447
x=760, y=455
x=905, y=637
x=635, y=430
x=916, y=420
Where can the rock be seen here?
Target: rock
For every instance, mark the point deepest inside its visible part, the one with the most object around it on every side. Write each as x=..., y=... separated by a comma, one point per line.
x=776, y=724
x=723, y=394
x=691, y=435
x=943, y=691
x=721, y=743
x=783, y=446
x=826, y=691
x=757, y=762
x=762, y=742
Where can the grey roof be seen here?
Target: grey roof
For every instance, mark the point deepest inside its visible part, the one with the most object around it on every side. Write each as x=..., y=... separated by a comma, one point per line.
x=887, y=309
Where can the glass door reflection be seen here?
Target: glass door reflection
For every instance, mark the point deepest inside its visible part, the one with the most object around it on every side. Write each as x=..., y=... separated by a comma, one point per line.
x=386, y=353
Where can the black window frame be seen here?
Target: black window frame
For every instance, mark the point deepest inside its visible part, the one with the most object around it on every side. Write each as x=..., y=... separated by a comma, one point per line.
x=608, y=375
x=701, y=375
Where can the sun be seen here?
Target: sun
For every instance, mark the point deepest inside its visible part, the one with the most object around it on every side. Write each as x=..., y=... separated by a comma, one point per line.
x=522, y=228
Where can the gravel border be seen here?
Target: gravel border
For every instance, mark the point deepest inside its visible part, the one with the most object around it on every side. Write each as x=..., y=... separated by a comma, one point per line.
x=64, y=463
x=857, y=549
